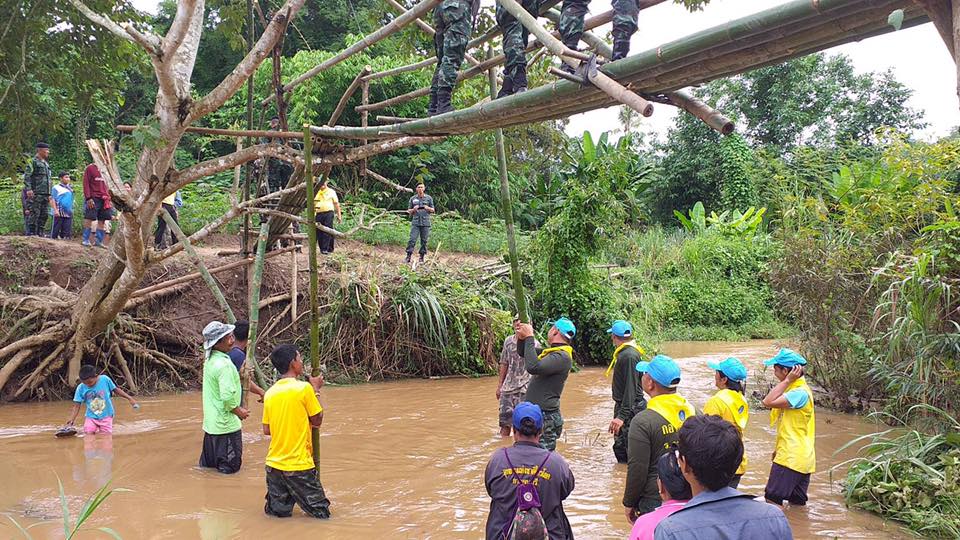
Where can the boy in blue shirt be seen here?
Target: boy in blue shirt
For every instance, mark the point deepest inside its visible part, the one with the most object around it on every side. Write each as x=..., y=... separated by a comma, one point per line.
x=61, y=200
x=95, y=392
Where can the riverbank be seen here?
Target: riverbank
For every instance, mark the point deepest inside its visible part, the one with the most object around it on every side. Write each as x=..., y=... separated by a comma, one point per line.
x=402, y=459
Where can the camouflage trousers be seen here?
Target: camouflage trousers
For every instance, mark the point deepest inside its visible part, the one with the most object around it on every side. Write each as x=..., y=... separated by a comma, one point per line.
x=453, y=20
x=552, y=428
x=284, y=488
x=515, y=37
x=37, y=218
x=625, y=14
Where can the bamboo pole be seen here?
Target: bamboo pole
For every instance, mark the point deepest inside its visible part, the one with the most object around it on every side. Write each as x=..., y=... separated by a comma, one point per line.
x=202, y=268
x=228, y=132
x=294, y=294
x=196, y=275
x=394, y=119
x=383, y=32
x=342, y=104
x=507, y=205
x=614, y=89
x=254, y=317
x=674, y=65
x=402, y=69
x=364, y=120
x=387, y=181
x=314, y=285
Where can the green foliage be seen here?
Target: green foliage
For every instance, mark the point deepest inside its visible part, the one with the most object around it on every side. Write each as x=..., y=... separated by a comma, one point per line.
x=911, y=476
x=743, y=225
x=70, y=527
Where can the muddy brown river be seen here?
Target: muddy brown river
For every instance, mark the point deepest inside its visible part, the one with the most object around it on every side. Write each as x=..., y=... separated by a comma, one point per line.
x=398, y=460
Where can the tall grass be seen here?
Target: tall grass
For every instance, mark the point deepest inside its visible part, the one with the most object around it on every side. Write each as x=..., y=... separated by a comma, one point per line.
x=909, y=475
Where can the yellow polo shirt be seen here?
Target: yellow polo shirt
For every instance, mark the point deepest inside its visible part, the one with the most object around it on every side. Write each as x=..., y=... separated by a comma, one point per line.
x=287, y=407
x=325, y=199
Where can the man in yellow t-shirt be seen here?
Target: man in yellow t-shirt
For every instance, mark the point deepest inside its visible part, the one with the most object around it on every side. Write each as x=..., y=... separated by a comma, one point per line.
x=168, y=204
x=326, y=203
x=290, y=408
x=794, y=457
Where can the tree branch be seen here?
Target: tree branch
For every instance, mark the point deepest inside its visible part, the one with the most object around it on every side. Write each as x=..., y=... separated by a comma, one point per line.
x=224, y=163
x=126, y=31
x=186, y=10
x=387, y=181
x=304, y=221
x=245, y=69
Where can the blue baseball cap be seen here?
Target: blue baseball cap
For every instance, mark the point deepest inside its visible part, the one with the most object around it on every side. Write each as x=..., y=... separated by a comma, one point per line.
x=661, y=369
x=731, y=368
x=565, y=326
x=529, y=410
x=621, y=329
x=786, y=358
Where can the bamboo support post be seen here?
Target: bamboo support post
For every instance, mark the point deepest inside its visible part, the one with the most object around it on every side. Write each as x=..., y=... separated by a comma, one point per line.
x=254, y=317
x=314, y=285
x=236, y=175
x=342, y=104
x=507, y=205
x=383, y=32
x=294, y=294
x=611, y=87
x=202, y=268
x=364, y=119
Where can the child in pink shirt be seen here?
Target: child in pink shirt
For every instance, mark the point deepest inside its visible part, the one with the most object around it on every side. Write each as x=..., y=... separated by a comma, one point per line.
x=674, y=491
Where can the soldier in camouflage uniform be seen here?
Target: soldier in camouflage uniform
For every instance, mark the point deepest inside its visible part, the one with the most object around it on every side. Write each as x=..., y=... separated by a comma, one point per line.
x=625, y=14
x=37, y=182
x=454, y=24
x=514, y=44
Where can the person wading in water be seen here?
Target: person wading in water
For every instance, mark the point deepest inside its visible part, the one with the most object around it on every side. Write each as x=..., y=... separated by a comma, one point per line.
x=549, y=371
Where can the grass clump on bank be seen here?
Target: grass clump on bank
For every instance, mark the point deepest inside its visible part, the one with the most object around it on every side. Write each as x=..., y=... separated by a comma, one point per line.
x=911, y=476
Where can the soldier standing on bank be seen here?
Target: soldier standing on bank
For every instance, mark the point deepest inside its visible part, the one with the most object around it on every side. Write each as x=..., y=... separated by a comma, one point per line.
x=625, y=13
x=454, y=24
x=37, y=183
x=515, y=37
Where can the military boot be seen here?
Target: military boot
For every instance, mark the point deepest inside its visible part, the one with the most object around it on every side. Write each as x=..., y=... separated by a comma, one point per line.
x=621, y=48
x=432, y=107
x=506, y=89
x=443, y=100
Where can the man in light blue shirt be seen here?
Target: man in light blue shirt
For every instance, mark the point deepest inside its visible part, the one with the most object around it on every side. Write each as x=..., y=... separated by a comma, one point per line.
x=710, y=450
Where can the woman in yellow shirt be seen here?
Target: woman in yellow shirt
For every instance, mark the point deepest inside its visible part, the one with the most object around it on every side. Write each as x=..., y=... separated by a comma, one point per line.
x=326, y=203
x=728, y=403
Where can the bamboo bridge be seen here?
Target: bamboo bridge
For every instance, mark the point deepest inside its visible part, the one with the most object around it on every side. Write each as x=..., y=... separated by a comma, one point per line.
x=769, y=37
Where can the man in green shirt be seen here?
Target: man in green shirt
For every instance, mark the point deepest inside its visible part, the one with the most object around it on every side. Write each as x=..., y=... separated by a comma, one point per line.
x=222, y=413
x=627, y=395
x=549, y=370
x=37, y=184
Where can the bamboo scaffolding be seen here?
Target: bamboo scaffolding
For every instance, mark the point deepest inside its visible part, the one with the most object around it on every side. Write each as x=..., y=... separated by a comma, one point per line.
x=425, y=26
x=771, y=36
x=229, y=132
x=481, y=68
x=507, y=205
x=202, y=268
x=254, y=316
x=314, y=285
x=611, y=87
x=383, y=32
x=342, y=104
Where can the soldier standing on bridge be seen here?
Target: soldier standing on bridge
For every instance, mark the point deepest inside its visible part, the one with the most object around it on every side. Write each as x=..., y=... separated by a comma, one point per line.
x=625, y=13
x=37, y=182
x=454, y=24
x=515, y=37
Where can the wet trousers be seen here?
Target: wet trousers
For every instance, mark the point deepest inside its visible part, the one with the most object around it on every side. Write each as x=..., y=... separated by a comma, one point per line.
x=552, y=428
x=284, y=488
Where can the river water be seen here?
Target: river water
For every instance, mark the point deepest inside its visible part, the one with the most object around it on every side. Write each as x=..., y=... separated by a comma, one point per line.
x=399, y=460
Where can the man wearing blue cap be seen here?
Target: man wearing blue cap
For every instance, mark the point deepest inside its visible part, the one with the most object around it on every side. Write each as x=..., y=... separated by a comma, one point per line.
x=730, y=377
x=794, y=457
x=652, y=432
x=627, y=396
x=509, y=467
x=549, y=371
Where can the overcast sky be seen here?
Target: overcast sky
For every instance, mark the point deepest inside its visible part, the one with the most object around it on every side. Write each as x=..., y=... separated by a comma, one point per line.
x=917, y=56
